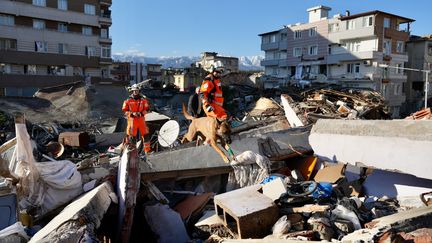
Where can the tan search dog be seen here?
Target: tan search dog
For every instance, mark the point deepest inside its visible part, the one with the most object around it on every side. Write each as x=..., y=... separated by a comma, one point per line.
x=212, y=130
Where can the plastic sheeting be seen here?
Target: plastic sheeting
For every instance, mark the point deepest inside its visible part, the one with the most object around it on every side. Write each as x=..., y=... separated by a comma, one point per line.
x=249, y=169
x=166, y=223
x=43, y=185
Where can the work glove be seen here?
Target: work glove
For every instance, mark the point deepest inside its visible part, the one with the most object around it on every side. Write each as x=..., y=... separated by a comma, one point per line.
x=209, y=108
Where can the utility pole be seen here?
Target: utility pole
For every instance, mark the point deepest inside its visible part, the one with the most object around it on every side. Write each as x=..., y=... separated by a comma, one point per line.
x=426, y=87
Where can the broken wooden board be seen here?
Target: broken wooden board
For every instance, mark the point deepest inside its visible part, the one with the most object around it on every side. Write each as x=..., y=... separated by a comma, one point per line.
x=79, y=220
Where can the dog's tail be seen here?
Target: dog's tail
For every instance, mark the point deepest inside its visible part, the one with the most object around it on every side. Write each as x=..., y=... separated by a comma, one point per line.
x=186, y=114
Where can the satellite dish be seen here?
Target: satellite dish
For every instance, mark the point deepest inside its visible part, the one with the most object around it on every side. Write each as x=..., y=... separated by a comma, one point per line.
x=168, y=133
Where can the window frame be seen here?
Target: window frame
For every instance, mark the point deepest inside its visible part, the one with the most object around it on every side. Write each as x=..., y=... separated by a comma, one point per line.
x=87, y=33
x=298, y=34
x=40, y=21
x=387, y=24
x=63, y=29
x=7, y=20
x=313, y=32
x=63, y=49
x=62, y=5
x=350, y=24
x=294, y=51
x=310, y=48
x=43, y=49
x=40, y=3
x=89, y=9
x=105, y=48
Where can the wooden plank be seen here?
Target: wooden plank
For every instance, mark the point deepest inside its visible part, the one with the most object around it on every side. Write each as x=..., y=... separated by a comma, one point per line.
x=180, y=174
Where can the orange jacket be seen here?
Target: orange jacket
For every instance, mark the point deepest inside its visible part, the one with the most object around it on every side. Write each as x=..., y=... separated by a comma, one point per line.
x=135, y=108
x=211, y=91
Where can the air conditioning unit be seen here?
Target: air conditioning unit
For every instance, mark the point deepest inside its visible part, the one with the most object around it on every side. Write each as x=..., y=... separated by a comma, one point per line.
x=367, y=62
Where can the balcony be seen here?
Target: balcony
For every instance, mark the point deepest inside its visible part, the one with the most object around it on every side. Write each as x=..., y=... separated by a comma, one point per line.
x=105, y=18
x=106, y=2
x=105, y=61
x=270, y=46
x=343, y=34
x=352, y=56
x=105, y=40
x=273, y=62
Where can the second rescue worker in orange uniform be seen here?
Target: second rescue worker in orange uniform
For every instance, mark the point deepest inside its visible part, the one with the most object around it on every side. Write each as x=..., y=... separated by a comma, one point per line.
x=211, y=93
x=135, y=108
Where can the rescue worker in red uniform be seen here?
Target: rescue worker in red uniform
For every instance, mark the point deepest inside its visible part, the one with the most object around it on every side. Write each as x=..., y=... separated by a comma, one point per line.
x=135, y=109
x=211, y=93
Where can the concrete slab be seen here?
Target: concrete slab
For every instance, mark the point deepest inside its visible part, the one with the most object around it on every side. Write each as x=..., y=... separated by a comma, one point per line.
x=80, y=219
x=246, y=212
x=277, y=144
x=400, y=145
x=128, y=183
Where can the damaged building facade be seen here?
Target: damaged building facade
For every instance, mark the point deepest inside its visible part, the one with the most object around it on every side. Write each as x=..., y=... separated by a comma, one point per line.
x=344, y=49
x=45, y=43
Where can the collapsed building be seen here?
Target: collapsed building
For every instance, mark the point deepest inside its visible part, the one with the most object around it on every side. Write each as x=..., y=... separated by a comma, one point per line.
x=314, y=168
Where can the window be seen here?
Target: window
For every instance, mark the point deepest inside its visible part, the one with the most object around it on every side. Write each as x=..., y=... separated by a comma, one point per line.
x=430, y=50
x=89, y=9
x=312, y=31
x=397, y=89
x=297, y=34
x=62, y=27
x=282, y=55
x=90, y=51
x=5, y=68
x=297, y=51
x=62, y=48
x=313, y=50
x=283, y=36
x=353, y=68
x=399, y=69
x=266, y=39
x=38, y=24
x=269, y=55
x=387, y=46
x=41, y=46
x=30, y=69
x=8, y=44
x=62, y=4
x=367, y=21
x=272, y=38
x=333, y=27
x=350, y=24
x=7, y=20
x=87, y=30
x=353, y=46
x=106, y=51
x=39, y=3
x=386, y=23
x=400, y=47
x=104, y=33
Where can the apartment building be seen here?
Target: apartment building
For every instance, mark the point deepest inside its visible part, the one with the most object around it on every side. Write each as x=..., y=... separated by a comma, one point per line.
x=419, y=57
x=120, y=71
x=51, y=42
x=231, y=64
x=344, y=49
x=153, y=72
x=301, y=48
x=189, y=78
x=360, y=43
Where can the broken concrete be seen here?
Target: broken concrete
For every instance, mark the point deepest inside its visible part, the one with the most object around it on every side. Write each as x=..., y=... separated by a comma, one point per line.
x=246, y=212
x=186, y=161
x=406, y=221
x=400, y=145
x=274, y=189
x=80, y=219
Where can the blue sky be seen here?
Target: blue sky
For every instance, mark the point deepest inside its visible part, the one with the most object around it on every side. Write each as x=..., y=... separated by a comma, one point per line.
x=188, y=27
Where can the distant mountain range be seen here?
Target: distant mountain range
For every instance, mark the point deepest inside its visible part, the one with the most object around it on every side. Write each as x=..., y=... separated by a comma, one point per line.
x=246, y=63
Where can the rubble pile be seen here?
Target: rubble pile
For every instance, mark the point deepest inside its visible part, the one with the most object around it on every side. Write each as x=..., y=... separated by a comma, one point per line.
x=340, y=104
x=78, y=182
